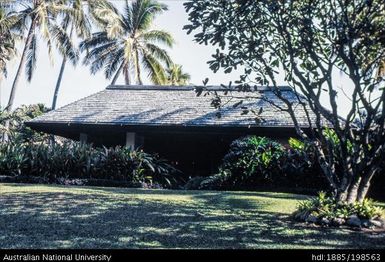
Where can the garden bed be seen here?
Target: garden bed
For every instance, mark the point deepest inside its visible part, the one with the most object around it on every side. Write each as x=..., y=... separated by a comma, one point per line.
x=77, y=182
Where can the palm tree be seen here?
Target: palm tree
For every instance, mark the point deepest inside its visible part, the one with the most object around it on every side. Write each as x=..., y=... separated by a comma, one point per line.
x=9, y=23
x=79, y=20
x=40, y=15
x=131, y=47
x=7, y=43
x=176, y=76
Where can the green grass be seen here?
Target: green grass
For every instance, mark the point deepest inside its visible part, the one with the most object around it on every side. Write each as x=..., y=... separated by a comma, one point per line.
x=39, y=216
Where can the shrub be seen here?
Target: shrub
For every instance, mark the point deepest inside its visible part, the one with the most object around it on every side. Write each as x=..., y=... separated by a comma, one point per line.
x=301, y=167
x=17, y=131
x=74, y=160
x=251, y=160
x=13, y=159
x=254, y=162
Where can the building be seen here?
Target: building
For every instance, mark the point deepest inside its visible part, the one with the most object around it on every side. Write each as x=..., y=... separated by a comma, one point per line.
x=172, y=121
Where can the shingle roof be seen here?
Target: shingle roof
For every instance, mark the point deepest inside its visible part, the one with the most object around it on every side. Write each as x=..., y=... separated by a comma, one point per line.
x=174, y=106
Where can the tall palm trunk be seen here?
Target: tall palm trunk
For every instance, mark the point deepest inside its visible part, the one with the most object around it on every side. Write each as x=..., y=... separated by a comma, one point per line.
x=1, y=80
x=137, y=67
x=117, y=74
x=11, y=100
x=127, y=75
x=31, y=32
x=56, y=93
x=58, y=83
x=60, y=77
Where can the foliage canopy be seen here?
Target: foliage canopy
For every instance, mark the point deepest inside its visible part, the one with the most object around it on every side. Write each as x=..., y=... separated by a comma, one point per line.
x=312, y=42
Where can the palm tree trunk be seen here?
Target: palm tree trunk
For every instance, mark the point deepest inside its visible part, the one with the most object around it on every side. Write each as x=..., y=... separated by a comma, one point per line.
x=137, y=67
x=56, y=92
x=1, y=80
x=58, y=83
x=140, y=82
x=127, y=75
x=117, y=74
x=21, y=64
x=11, y=100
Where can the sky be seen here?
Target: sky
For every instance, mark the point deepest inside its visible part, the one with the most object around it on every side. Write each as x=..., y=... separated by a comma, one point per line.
x=78, y=82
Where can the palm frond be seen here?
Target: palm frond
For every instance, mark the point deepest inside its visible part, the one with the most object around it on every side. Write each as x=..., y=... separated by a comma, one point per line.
x=105, y=15
x=99, y=52
x=96, y=40
x=113, y=63
x=158, y=53
x=31, y=58
x=64, y=43
x=156, y=72
x=144, y=12
x=128, y=41
x=9, y=24
x=79, y=19
x=102, y=12
x=127, y=18
x=176, y=76
x=158, y=36
x=99, y=57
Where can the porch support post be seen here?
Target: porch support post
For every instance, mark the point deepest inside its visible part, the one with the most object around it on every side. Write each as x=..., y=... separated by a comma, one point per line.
x=83, y=138
x=130, y=140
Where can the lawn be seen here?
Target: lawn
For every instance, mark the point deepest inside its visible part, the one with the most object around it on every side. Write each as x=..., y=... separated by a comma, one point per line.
x=39, y=216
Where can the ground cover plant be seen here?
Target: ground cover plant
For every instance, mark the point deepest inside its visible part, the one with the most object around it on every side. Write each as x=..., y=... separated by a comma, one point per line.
x=324, y=210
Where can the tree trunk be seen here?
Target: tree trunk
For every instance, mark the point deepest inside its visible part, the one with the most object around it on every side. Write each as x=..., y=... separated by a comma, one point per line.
x=353, y=190
x=363, y=190
x=127, y=75
x=117, y=74
x=138, y=71
x=3, y=135
x=365, y=184
x=1, y=80
x=20, y=68
x=58, y=83
x=342, y=196
x=61, y=73
x=140, y=82
x=343, y=189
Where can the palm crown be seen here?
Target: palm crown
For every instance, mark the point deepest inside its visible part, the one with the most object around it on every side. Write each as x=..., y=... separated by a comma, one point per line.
x=80, y=18
x=41, y=17
x=129, y=45
x=8, y=22
x=176, y=76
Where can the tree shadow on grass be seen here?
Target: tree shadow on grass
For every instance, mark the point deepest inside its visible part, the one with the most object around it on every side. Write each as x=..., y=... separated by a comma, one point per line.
x=129, y=220
x=276, y=195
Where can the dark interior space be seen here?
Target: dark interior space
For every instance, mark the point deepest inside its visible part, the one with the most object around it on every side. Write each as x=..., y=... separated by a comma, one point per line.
x=194, y=154
x=107, y=139
x=194, y=151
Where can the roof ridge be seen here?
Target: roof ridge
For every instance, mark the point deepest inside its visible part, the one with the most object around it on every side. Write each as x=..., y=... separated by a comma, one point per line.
x=150, y=87
x=185, y=88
